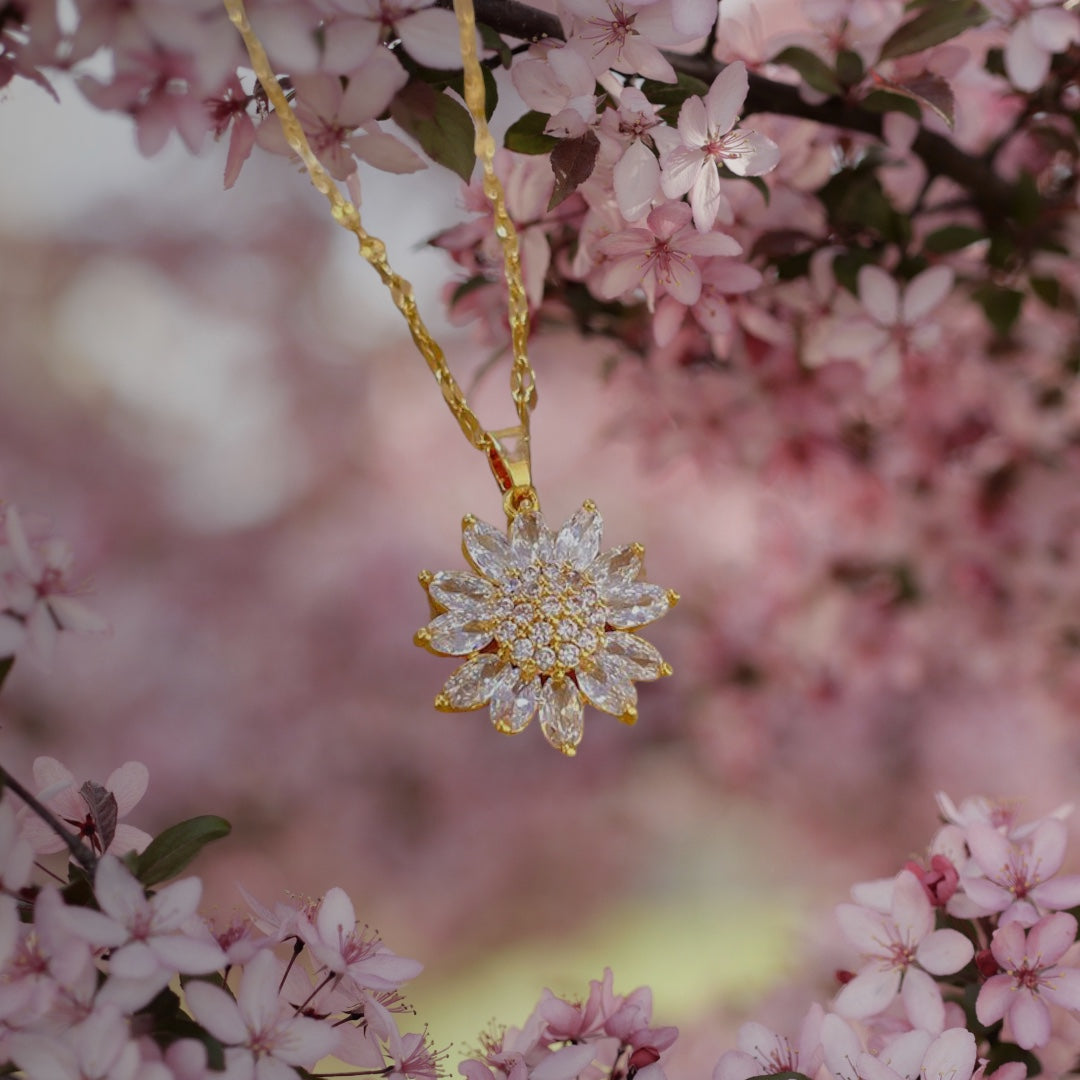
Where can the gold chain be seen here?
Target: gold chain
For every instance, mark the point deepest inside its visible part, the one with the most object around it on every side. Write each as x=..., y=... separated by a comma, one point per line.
x=510, y=462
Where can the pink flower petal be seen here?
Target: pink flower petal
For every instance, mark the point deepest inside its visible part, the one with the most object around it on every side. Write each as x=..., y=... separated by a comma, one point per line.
x=258, y=998
x=867, y=994
x=705, y=197
x=1050, y=938
x=1030, y=1020
x=758, y=154
x=724, y=99
x=1063, y=989
x=680, y=168
x=922, y=1000
x=1059, y=892
x=994, y=999
x=216, y=1011
x=128, y=783
x=944, y=952
x=431, y=38
x=693, y=122
x=371, y=89
x=636, y=180
x=1009, y=946
x=951, y=1056
x=924, y=293
x=1026, y=62
x=879, y=294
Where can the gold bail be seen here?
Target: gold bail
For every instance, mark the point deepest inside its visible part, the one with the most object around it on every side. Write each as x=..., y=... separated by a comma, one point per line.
x=508, y=456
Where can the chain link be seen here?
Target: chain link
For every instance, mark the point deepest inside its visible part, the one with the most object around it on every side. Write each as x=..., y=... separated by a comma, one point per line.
x=522, y=377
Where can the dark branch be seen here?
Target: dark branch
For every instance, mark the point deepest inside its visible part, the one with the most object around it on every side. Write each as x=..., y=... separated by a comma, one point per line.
x=991, y=196
x=79, y=851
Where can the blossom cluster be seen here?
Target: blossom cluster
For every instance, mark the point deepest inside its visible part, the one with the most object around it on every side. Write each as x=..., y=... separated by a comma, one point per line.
x=966, y=964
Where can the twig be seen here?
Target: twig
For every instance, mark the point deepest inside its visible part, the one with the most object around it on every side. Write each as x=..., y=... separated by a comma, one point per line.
x=79, y=851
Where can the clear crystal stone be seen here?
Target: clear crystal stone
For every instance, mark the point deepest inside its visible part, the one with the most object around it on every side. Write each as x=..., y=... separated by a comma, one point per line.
x=561, y=714
x=456, y=633
x=473, y=684
x=488, y=550
x=507, y=631
x=530, y=540
x=545, y=658
x=522, y=650
x=550, y=607
x=605, y=683
x=578, y=541
x=640, y=658
x=568, y=654
x=524, y=612
x=634, y=605
x=587, y=640
x=502, y=608
x=460, y=590
x=619, y=566
x=513, y=705
x=543, y=633
x=566, y=628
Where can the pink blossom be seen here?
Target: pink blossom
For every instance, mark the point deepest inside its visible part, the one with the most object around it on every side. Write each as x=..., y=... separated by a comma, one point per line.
x=558, y=81
x=1018, y=879
x=895, y=323
x=429, y=35
x=626, y=139
x=37, y=594
x=720, y=278
x=662, y=257
x=98, y=1048
x=898, y=949
x=1031, y=978
x=332, y=114
x=360, y=958
x=625, y=36
x=229, y=110
x=1039, y=28
x=760, y=1051
x=263, y=1034
x=56, y=788
x=707, y=137
x=150, y=939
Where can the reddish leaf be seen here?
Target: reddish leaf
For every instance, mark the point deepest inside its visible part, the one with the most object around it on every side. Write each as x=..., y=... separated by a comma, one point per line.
x=103, y=811
x=572, y=162
x=929, y=90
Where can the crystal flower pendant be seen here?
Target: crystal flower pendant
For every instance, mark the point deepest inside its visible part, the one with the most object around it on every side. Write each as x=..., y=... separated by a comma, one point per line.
x=546, y=623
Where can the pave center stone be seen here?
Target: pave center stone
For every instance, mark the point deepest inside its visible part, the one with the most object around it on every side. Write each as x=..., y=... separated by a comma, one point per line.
x=551, y=618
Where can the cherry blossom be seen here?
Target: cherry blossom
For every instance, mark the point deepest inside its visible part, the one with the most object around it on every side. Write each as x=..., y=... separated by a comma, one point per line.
x=558, y=81
x=661, y=258
x=1038, y=29
x=761, y=1051
x=39, y=600
x=428, y=34
x=1031, y=978
x=340, y=120
x=707, y=137
x=57, y=790
x=264, y=1036
x=98, y=1048
x=899, y=949
x=1018, y=879
x=355, y=956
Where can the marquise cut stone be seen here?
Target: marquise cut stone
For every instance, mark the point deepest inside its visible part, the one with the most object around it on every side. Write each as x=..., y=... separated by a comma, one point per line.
x=457, y=633
x=605, y=683
x=640, y=658
x=488, y=550
x=513, y=705
x=635, y=604
x=578, y=541
x=562, y=714
x=473, y=684
x=459, y=590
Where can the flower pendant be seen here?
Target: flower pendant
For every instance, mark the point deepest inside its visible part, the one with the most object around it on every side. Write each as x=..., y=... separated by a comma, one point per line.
x=545, y=620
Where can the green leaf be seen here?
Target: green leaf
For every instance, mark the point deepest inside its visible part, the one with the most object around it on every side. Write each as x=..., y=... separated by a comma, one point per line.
x=6, y=664
x=441, y=125
x=857, y=204
x=846, y=267
x=470, y=285
x=526, y=134
x=943, y=20
x=1047, y=289
x=815, y=72
x=1004, y=1052
x=671, y=96
x=572, y=162
x=952, y=238
x=882, y=101
x=995, y=62
x=493, y=40
x=849, y=68
x=171, y=851
x=1001, y=305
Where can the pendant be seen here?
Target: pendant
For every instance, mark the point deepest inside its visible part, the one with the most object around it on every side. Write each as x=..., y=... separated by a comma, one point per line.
x=546, y=622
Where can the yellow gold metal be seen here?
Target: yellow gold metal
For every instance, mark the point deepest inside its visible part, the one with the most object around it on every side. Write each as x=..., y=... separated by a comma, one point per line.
x=672, y=597
x=666, y=668
x=426, y=577
x=522, y=377
x=422, y=637
x=442, y=703
x=629, y=718
x=637, y=549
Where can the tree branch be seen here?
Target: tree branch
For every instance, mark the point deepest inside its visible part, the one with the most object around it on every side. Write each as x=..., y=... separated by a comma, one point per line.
x=991, y=196
x=79, y=851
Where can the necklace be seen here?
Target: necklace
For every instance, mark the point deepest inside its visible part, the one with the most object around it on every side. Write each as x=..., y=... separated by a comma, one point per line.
x=543, y=619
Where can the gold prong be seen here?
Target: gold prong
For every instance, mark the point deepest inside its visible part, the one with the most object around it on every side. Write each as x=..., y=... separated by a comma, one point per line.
x=468, y=521
x=442, y=703
x=426, y=577
x=568, y=750
x=666, y=669
x=672, y=597
x=638, y=549
x=630, y=716
x=422, y=637
x=589, y=506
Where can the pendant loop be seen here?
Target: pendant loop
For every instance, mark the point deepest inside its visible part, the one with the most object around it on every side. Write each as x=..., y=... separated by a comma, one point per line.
x=508, y=456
